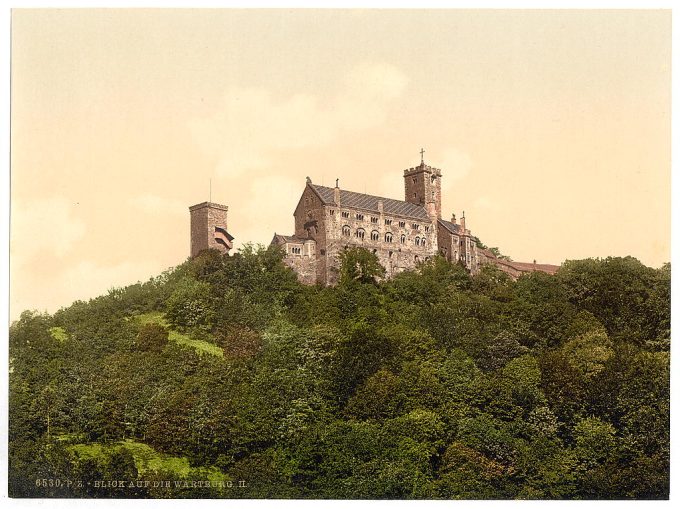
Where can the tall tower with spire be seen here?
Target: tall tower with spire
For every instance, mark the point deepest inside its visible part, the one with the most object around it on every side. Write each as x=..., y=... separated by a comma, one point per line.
x=423, y=186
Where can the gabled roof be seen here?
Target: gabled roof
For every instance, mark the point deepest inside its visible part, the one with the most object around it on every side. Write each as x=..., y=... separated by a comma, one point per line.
x=285, y=239
x=370, y=203
x=453, y=228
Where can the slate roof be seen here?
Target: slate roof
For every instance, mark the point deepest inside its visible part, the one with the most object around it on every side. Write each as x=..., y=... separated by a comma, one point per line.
x=521, y=266
x=283, y=239
x=370, y=203
x=453, y=228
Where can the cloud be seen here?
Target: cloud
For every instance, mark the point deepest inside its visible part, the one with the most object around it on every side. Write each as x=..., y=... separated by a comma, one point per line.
x=271, y=211
x=81, y=281
x=250, y=125
x=455, y=164
x=391, y=185
x=88, y=279
x=157, y=205
x=49, y=225
x=484, y=202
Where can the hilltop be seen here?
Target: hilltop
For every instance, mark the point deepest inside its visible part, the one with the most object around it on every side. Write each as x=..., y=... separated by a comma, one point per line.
x=433, y=384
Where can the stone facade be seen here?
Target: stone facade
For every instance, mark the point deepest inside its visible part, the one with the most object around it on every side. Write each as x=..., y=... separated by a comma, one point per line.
x=209, y=228
x=400, y=233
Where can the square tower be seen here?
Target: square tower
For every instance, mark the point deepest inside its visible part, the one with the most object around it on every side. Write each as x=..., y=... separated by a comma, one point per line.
x=423, y=186
x=209, y=228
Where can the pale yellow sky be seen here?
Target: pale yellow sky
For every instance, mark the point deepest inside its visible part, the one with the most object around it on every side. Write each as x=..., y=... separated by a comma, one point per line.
x=552, y=129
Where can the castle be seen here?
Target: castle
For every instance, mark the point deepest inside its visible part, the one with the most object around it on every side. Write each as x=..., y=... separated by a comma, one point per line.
x=401, y=233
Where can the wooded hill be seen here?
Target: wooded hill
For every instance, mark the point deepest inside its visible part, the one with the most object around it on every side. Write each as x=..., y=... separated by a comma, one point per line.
x=434, y=384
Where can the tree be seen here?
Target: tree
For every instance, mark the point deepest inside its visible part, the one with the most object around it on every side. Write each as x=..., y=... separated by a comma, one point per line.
x=152, y=337
x=191, y=305
x=359, y=265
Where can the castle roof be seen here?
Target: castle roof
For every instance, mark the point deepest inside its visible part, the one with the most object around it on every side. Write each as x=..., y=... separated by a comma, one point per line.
x=368, y=202
x=521, y=266
x=453, y=228
x=531, y=267
x=285, y=239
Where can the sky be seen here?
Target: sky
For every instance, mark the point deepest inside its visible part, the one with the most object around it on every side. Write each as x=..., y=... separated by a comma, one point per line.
x=552, y=130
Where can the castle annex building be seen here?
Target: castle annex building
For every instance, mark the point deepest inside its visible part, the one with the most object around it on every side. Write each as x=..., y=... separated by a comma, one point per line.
x=401, y=233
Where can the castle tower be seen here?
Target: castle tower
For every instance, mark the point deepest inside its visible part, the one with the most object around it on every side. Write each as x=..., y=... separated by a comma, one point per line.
x=423, y=186
x=209, y=228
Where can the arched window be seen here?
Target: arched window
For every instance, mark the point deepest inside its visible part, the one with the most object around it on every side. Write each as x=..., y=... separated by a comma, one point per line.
x=388, y=237
x=422, y=242
x=417, y=241
x=375, y=235
x=360, y=234
x=345, y=231
x=402, y=239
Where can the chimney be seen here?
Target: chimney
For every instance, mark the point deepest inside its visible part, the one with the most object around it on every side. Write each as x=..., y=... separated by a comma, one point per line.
x=336, y=193
x=380, y=206
x=462, y=222
x=453, y=218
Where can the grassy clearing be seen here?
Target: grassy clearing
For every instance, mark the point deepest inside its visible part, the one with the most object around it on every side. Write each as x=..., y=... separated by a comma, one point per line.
x=202, y=347
x=59, y=334
x=148, y=459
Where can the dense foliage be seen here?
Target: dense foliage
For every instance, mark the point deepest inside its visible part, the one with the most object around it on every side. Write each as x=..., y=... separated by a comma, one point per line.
x=435, y=384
